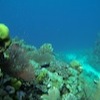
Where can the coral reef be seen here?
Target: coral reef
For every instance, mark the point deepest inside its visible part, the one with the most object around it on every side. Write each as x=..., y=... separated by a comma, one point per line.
x=29, y=73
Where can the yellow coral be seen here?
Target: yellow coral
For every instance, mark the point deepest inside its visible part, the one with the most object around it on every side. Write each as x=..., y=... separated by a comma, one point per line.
x=4, y=37
x=46, y=48
x=75, y=63
x=16, y=83
x=4, y=31
x=41, y=76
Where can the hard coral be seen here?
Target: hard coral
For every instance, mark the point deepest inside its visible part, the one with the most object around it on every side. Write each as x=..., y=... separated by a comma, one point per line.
x=46, y=48
x=74, y=63
x=4, y=37
x=53, y=94
x=44, y=55
x=4, y=31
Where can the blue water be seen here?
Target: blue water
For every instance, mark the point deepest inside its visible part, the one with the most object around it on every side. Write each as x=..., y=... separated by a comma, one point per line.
x=67, y=24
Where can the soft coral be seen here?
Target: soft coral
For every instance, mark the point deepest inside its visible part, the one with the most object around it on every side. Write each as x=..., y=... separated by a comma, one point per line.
x=18, y=64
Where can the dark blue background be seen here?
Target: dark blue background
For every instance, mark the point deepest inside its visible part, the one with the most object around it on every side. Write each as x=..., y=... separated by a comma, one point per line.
x=67, y=24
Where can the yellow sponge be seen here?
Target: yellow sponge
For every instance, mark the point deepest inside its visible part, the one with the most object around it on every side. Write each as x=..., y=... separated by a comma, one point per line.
x=4, y=31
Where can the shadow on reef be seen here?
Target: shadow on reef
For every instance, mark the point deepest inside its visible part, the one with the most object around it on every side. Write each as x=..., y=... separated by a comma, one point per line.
x=30, y=73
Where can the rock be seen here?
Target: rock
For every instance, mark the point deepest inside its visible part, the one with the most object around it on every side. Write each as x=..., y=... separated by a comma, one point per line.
x=10, y=89
x=2, y=92
x=20, y=95
x=7, y=97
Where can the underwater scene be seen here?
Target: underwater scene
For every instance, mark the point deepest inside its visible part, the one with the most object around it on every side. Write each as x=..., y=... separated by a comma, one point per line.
x=49, y=49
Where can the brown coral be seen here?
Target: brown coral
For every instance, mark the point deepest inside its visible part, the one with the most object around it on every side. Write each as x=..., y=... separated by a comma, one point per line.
x=18, y=62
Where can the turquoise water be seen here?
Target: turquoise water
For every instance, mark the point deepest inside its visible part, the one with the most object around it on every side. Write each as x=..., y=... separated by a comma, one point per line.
x=67, y=24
